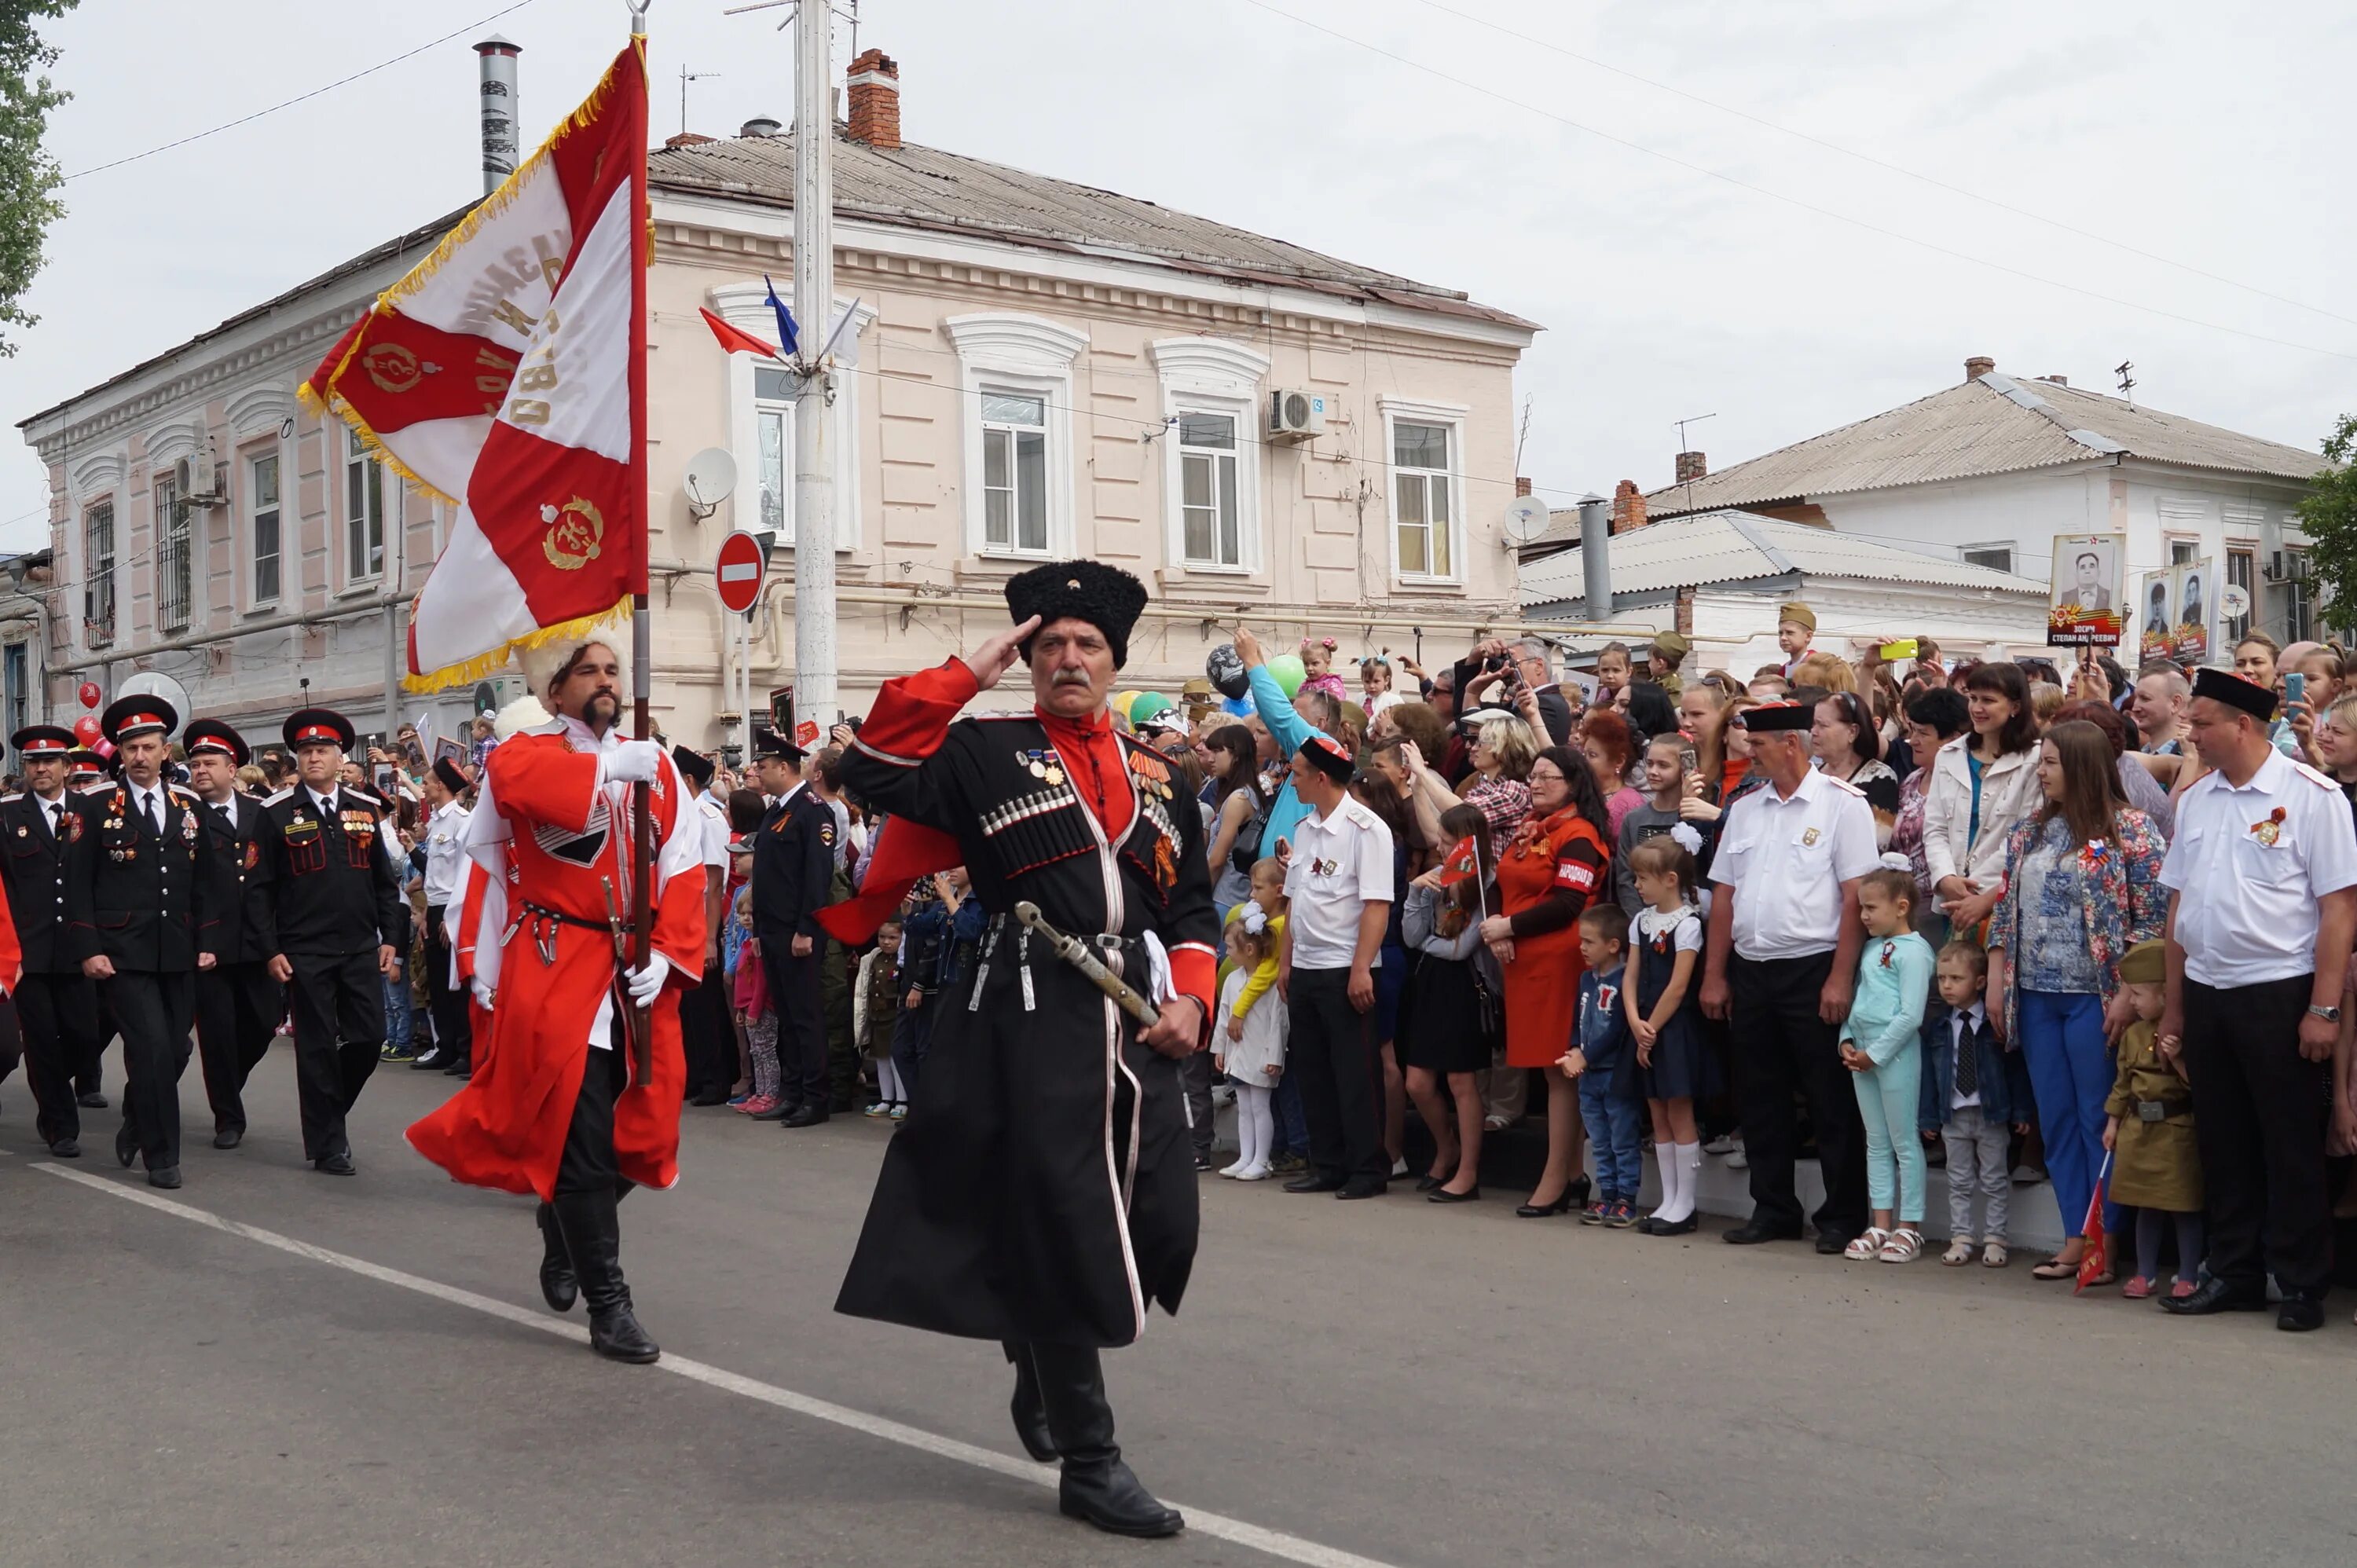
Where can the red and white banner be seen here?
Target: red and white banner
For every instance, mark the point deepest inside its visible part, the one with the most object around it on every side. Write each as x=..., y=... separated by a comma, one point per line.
x=506, y=374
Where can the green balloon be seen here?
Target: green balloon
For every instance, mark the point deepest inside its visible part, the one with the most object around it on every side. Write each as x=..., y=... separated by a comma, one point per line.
x=1144, y=705
x=1289, y=673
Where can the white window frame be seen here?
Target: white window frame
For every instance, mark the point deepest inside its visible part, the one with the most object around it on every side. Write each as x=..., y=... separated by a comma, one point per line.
x=1395, y=412
x=745, y=305
x=1212, y=375
x=250, y=467
x=356, y=574
x=170, y=513
x=1023, y=356
x=262, y=421
x=2238, y=627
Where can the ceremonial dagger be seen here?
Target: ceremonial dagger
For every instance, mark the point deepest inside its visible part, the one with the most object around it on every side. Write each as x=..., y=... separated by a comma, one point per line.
x=1075, y=951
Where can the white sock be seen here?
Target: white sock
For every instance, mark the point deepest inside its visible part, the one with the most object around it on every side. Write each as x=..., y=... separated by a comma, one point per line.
x=1690, y=1176
x=1666, y=1163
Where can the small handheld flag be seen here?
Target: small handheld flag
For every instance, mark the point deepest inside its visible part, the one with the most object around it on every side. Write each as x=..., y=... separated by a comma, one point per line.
x=1463, y=862
x=2096, y=1259
x=787, y=331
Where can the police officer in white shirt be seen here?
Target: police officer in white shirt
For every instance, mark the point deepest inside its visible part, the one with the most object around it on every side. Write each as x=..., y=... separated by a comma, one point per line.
x=2262, y=905
x=1339, y=883
x=445, y=884
x=1780, y=965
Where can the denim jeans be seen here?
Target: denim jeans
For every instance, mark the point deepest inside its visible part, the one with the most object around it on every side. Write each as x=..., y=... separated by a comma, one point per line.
x=1610, y=1113
x=1291, y=1124
x=398, y=1029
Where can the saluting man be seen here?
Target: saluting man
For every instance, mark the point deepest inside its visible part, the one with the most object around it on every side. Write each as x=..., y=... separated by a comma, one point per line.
x=56, y=1003
x=137, y=876
x=239, y=1003
x=793, y=876
x=325, y=905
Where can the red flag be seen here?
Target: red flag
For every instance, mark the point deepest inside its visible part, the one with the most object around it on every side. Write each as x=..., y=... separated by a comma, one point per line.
x=506, y=375
x=902, y=852
x=1463, y=863
x=733, y=341
x=2097, y=1257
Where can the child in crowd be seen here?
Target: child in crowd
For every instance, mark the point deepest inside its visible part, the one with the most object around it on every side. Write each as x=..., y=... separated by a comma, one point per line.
x=1292, y=1142
x=750, y=989
x=1449, y=1020
x=1975, y=1095
x=1376, y=691
x=1613, y=668
x=1673, y=1062
x=1252, y=1052
x=875, y=1004
x=2156, y=1168
x=1601, y=1060
x=1317, y=663
x=1881, y=1045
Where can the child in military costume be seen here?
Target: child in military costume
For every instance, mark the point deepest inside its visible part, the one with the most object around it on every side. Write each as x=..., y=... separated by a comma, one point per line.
x=2155, y=1166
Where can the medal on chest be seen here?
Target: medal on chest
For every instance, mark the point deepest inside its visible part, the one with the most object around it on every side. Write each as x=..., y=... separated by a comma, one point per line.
x=2270, y=829
x=1151, y=773
x=1043, y=764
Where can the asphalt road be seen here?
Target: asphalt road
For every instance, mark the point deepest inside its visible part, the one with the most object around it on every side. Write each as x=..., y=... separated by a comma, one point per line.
x=1389, y=1382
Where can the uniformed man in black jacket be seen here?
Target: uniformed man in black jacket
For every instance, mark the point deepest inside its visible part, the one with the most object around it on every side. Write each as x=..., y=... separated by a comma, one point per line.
x=57, y=1004
x=135, y=895
x=87, y=770
x=324, y=903
x=794, y=872
x=238, y=1003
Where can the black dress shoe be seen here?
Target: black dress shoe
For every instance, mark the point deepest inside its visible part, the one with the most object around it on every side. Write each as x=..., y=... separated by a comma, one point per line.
x=459, y=1066
x=1442, y=1194
x=2298, y=1313
x=66, y=1149
x=1686, y=1227
x=2214, y=1294
x=229, y=1137
x=1428, y=1181
x=91, y=1100
x=778, y=1113
x=126, y=1145
x=335, y=1164
x=1313, y=1184
x=1831, y=1243
x=711, y=1097
x=1361, y=1189
x=809, y=1115
x=1752, y=1232
x=1541, y=1211
x=166, y=1177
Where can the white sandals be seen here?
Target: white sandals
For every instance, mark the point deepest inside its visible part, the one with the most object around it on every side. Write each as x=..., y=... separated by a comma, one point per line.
x=1959, y=1252
x=1868, y=1245
x=1903, y=1246
x=1995, y=1256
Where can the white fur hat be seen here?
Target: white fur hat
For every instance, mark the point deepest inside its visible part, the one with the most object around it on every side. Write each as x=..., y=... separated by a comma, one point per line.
x=525, y=713
x=541, y=663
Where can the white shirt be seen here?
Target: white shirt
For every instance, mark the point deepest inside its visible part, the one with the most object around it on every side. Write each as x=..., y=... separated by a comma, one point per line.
x=446, y=855
x=1342, y=863
x=2245, y=908
x=1786, y=860
x=715, y=831
x=1962, y=1027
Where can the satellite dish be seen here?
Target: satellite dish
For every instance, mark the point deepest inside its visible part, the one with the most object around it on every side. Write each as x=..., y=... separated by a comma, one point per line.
x=147, y=683
x=1526, y=517
x=711, y=478
x=2235, y=600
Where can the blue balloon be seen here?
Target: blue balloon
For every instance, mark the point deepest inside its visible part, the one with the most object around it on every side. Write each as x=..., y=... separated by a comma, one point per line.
x=1242, y=707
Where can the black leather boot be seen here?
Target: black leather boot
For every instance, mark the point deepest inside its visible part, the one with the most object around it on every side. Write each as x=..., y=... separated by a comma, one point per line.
x=1030, y=1413
x=594, y=1239
x=1096, y=1486
x=559, y=1286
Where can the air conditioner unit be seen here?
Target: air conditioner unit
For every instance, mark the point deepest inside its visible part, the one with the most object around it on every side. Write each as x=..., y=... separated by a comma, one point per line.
x=2286, y=567
x=197, y=479
x=1294, y=414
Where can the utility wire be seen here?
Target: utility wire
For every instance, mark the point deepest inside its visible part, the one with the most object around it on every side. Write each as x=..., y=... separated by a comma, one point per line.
x=1884, y=164
x=300, y=98
x=1809, y=207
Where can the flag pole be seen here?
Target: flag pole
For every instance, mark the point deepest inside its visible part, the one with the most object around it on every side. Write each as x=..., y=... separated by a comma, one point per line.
x=642, y=659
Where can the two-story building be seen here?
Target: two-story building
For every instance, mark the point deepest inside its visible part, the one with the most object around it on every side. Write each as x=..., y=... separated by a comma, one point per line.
x=1039, y=369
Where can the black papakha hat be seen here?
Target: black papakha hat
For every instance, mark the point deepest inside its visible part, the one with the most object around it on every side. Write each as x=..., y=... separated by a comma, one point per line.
x=452, y=779
x=693, y=765
x=1770, y=716
x=2235, y=691
x=1328, y=757
x=1105, y=596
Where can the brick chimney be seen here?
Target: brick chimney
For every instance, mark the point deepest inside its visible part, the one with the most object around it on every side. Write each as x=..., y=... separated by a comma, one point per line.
x=684, y=139
x=1627, y=507
x=1979, y=365
x=1521, y=485
x=1691, y=465
x=875, y=100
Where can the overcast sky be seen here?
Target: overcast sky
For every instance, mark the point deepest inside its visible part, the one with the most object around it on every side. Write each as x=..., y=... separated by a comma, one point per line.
x=2212, y=139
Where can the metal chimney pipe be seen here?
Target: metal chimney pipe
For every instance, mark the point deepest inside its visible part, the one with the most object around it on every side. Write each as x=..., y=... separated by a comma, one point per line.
x=496, y=77
x=1595, y=560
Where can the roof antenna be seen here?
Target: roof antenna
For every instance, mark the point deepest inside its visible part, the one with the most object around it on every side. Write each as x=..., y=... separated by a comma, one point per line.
x=1684, y=450
x=2127, y=383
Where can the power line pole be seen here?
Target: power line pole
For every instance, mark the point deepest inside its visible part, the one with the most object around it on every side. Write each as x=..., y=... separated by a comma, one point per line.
x=813, y=515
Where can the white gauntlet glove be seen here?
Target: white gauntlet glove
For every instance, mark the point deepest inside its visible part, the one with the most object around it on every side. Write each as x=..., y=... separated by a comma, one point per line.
x=483, y=993
x=632, y=762
x=646, y=984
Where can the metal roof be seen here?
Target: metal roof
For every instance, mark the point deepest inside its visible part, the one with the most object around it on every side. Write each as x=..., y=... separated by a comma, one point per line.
x=911, y=187
x=1707, y=548
x=1993, y=425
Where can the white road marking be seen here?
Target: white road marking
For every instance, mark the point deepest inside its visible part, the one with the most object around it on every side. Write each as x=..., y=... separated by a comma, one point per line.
x=1200, y=1521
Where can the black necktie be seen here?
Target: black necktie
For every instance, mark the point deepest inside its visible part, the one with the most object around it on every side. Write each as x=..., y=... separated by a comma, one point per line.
x=57, y=818
x=1968, y=1064
x=155, y=813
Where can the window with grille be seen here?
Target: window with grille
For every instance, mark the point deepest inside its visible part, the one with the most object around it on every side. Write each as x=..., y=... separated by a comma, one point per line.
x=2299, y=598
x=171, y=556
x=262, y=526
x=2238, y=575
x=1420, y=498
x=1209, y=504
x=1015, y=471
x=363, y=512
x=98, y=574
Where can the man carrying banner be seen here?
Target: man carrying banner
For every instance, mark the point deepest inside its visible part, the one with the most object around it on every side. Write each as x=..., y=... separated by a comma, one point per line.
x=567, y=1101
x=1042, y=1191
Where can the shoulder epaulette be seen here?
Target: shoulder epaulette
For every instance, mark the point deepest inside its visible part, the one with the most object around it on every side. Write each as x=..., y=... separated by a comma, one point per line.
x=273, y=800
x=1843, y=784
x=16, y=795
x=2322, y=781
x=104, y=789
x=186, y=794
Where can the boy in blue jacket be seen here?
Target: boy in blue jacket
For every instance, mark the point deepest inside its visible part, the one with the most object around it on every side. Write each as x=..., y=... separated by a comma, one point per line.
x=1602, y=1058
x=1975, y=1096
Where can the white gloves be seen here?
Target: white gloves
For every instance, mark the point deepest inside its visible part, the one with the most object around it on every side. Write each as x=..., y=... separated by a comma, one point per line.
x=647, y=983
x=483, y=993
x=632, y=762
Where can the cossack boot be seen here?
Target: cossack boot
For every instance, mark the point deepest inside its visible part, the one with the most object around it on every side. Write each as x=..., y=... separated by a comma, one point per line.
x=1096, y=1486
x=1030, y=1412
x=559, y=1285
x=593, y=1238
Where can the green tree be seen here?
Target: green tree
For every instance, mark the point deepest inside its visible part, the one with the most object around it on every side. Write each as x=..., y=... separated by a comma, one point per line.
x=2329, y=514
x=29, y=178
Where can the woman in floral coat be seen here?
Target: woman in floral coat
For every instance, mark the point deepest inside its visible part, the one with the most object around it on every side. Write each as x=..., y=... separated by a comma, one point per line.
x=2081, y=886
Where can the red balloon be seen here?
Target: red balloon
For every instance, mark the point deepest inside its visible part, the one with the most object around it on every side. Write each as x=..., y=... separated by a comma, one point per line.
x=86, y=728
x=90, y=693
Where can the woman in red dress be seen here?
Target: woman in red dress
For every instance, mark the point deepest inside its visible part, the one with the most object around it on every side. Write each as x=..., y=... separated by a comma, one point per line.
x=1551, y=869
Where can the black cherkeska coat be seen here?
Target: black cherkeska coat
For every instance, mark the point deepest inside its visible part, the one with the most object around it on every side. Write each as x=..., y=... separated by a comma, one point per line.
x=1043, y=1188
